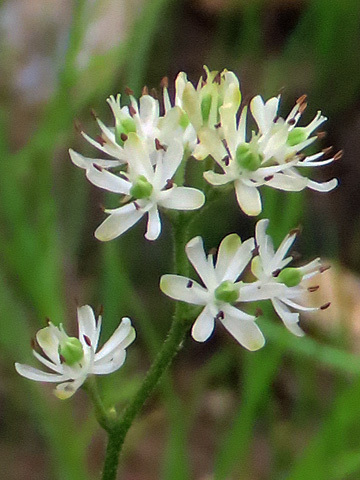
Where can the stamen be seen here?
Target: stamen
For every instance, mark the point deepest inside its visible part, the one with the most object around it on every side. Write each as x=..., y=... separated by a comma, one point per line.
x=132, y=110
x=302, y=107
x=292, y=121
x=145, y=90
x=220, y=316
x=93, y=114
x=128, y=91
x=100, y=140
x=226, y=160
x=323, y=268
x=217, y=78
x=62, y=359
x=159, y=146
x=100, y=169
x=268, y=178
x=123, y=137
x=276, y=273
x=78, y=126
x=169, y=183
x=328, y=150
x=338, y=155
x=258, y=312
x=301, y=99
x=321, y=135
x=87, y=340
x=137, y=206
x=276, y=118
x=164, y=82
x=189, y=284
x=154, y=93
x=325, y=306
x=218, y=125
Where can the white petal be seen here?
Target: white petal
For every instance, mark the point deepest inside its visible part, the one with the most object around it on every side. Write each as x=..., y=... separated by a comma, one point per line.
x=67, y=389
x=288, y=183
x=172, y=159
x=203, y=326
x=57, y=367
x=113, y=150
x=35, y=374
x=323, y=187
x=48, y=340
x=239, y=261
x=184, y=289
x=182, y=198
x=149, y=109
x=87, y=326
x=289, y=318
x=243, y=328
x=85, y=162
x=110, y=365
x=117, y=223
x=256, y=291
x=107, y=180
x=248, y=198
x=138, y=157
x=195, y=253
x=227, y=250
x=154, y=224
x=217, y=178
x=120, y=339
x=212, y=144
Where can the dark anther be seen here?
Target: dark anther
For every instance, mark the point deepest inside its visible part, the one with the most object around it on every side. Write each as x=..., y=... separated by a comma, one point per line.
x=292, y=121
x=145, y=90
x=128, y=91
x=295, y=231
x=226, y=160
x=154, y=93
x=328, y=150
x=164, y=82
x=102, y=207
x=220, y=316
x=276, y=273
x=323, y=268
x=268, y=178
x=169, y=183
x=93, y=114
x=203, y=83
x=276, y=119
x=123, y=137
x=100, y=140
x=189, y=284
x=87, y=340
x=301, y=99
x=255, y=251
x=101, y=310
x=62, y=358
x=217, y=78
x=98, y=168
x=314, y=288
x=325, y=306
x=132, y=110
x=137, y=206
x=33, y=343
x=218, y=125
x=302, y=107
x=212, y=251
x=47, y=320
x=159, y=145
x=321, y=135
x=258, y=312
x=338, y=155
x=226, y=147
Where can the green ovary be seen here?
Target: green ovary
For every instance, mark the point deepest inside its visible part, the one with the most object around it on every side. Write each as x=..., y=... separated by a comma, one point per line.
x=206, y=107
x=142, y=188
x=227, y=292
x=125, y=126
x=296, y=136
x=291, y=277
x=246, y=158
x=71, y=351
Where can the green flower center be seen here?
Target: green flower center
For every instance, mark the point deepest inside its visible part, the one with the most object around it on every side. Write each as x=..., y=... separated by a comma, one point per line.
x=291, y=277
x=246, y=158
x=184, y=121
x=142, y=188
x=296, y=136
x=125, y=126
x=71, y=351
x=227, y=292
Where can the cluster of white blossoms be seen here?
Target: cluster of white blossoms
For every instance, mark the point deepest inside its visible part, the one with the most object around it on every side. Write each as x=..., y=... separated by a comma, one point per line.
x=223, y=291
x=149, y=141
x=74, y=359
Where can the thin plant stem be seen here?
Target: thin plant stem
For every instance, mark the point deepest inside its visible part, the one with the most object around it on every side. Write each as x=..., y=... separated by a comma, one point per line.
x=169, y=349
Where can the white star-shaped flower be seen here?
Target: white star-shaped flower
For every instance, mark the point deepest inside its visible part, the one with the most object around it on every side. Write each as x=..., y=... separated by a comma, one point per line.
x=284, y=286
x=150, y=186
x=221, y=290
x=74, y=359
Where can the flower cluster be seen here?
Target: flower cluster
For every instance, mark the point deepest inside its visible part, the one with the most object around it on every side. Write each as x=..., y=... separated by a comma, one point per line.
x=206, y=121
x=147, y=149
x=222, y=290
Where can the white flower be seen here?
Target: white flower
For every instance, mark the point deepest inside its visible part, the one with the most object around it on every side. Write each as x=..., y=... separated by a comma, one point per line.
x=220, y=291
x=284, y=286
x=242, y=162
x=74, y=359
x=151, y=187
x=281, y=140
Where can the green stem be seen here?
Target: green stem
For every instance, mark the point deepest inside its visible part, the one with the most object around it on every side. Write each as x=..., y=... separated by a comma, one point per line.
x=103, y=416
x=180, y=325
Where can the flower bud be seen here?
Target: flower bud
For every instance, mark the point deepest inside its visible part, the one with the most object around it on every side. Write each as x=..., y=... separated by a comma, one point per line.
x=291, y=277
x=296, y=136
x=142, y=188
x=246, y=158
x=227, y=292
x=71, y=350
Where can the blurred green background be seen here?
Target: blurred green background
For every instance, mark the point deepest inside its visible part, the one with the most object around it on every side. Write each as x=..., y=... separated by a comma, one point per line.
x=290, y=411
